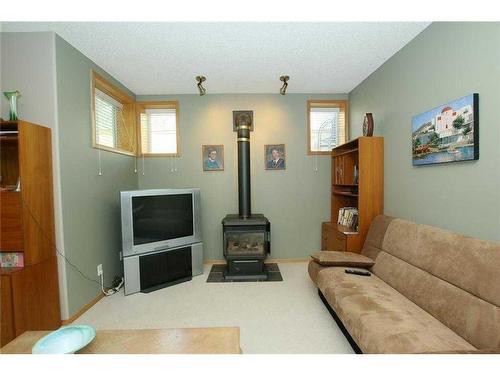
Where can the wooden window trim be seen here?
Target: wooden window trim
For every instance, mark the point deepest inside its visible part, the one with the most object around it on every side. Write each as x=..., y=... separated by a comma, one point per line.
x=140, y=107
x=99, y=82
x=313, y=103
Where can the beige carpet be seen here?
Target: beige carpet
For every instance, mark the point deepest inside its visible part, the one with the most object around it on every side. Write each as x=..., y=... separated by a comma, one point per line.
x=274, y=317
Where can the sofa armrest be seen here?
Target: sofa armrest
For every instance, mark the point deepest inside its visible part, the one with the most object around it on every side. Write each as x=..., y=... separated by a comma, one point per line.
x=342, y=259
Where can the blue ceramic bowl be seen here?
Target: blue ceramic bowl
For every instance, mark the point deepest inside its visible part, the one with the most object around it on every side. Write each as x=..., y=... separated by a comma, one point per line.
x=66, y=340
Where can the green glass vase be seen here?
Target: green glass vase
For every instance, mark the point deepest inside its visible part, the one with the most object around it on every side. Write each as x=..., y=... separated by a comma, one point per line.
x=12, y=97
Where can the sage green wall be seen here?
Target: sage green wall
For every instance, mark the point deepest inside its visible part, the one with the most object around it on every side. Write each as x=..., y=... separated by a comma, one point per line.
x=90, y=203
x=296, y=200
x=446, y=61
x=36, y=80
x=20, y=71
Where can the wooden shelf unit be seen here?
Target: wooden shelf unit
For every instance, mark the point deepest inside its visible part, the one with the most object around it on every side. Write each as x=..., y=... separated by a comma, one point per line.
x=345, y=193
x=30, y=295
x=365, y=192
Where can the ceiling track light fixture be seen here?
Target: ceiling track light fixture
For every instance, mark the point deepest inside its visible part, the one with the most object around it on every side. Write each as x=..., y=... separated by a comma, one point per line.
x=200, y=80
x=283, y=88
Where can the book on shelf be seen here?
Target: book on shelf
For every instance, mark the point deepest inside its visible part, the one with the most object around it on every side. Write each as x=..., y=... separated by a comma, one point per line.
x=348, y=217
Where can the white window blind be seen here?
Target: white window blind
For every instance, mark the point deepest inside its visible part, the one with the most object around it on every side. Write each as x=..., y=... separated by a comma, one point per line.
x=159, y=131
x=327, y=128
x=107, y=112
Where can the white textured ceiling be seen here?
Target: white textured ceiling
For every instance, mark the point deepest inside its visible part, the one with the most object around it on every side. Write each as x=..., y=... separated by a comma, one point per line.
x=164, y=58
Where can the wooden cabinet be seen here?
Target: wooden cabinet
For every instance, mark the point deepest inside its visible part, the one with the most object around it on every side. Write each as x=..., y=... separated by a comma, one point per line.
x=11, y=230
x=7, y=317
x=332, y=239
x=35, y=297
x=30, y=295
x=357, y=181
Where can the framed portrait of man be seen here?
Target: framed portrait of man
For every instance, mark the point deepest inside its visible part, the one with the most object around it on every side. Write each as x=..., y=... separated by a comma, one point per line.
x=212, y=157
x=275, y=157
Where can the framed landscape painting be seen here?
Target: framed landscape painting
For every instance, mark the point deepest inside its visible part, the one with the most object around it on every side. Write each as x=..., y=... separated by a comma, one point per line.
x=448, y=133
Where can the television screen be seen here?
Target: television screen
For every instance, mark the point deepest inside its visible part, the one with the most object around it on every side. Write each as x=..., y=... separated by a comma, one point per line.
x=162, y=217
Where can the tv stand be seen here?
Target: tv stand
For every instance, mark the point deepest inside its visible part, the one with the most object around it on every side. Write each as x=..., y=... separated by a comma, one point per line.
x=155, y=270
x=168, y=283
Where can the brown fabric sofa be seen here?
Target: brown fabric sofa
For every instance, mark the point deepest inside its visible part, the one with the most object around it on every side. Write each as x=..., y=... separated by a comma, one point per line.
x=431, y=291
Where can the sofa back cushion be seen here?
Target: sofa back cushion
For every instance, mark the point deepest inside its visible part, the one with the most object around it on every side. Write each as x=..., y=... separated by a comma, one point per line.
x=454, y=278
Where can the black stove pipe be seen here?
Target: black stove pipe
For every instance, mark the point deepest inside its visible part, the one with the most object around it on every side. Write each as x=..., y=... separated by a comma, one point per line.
x=243, y=130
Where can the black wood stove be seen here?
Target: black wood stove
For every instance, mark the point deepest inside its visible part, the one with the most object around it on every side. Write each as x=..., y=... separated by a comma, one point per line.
x=247, y=236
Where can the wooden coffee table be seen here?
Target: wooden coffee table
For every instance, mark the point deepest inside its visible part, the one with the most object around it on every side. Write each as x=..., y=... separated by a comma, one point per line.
x=146, y=341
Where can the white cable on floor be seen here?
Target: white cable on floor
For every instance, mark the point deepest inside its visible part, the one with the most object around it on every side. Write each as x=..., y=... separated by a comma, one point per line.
x=111, y=291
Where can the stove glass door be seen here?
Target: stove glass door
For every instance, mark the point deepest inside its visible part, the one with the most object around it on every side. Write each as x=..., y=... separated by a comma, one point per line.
x=245, y=243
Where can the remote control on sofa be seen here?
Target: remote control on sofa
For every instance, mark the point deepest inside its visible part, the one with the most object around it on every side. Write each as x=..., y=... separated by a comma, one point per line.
x=358, y=272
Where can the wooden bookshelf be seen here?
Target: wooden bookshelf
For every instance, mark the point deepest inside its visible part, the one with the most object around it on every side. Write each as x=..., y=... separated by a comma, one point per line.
x=365, y=191
x=30, y=294
x=345, y=193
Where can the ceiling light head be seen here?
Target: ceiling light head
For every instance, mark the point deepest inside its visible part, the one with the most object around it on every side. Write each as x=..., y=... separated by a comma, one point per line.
x=283, y=88
x=200, y=80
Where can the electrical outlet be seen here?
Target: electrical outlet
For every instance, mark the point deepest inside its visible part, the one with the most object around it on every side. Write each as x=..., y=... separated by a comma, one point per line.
x=99, y=269
x=121, y=256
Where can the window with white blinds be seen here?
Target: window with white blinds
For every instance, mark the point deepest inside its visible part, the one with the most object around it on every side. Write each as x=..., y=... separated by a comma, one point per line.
x=107, y=112
x=327, y=125
x=159, y=131
x=113, y=122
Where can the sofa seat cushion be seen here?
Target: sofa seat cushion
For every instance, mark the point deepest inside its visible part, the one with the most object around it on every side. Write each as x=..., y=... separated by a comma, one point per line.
x=342, y=259
x=381, y=320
